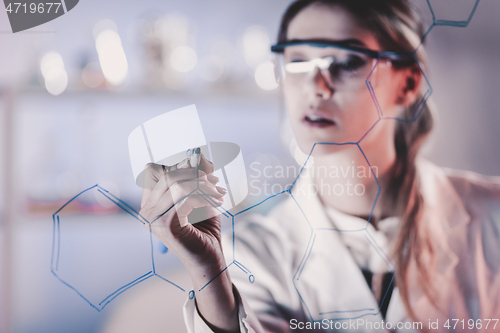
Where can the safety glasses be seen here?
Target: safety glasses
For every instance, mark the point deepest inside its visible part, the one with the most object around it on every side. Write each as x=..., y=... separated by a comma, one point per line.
x=345, y=67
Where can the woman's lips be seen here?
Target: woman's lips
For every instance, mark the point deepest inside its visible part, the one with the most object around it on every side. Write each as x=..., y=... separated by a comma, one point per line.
x=317, y=121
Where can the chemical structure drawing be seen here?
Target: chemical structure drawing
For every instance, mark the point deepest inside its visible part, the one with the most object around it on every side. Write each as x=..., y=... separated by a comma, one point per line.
x=436, y=21
x=420, y=103
x=72, y=246
x=315, y=236
x=64, y=252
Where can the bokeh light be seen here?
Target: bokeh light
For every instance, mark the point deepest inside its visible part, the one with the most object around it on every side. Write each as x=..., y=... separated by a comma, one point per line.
x=256, y=45
x=54, y=73
x=183, y=59
x=264, y=76
x=112, y=57
x=92, y=75
x=105, y=24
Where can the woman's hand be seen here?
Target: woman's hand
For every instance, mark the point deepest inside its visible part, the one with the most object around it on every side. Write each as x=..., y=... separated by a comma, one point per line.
x=198, y=245
x=172, y=198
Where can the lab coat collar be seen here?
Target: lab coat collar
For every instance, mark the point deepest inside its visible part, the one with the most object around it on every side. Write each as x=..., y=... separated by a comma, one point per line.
x=444, y=215
x=330, y=267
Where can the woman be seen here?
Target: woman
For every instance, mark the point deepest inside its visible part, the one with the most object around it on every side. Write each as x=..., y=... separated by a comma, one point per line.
x=439, y=228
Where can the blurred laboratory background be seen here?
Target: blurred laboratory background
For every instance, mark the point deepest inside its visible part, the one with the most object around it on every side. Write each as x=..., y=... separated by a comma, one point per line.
x=73, y=89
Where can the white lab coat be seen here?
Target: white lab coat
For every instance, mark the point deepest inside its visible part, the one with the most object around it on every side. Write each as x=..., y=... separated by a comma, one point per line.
x=461, y=217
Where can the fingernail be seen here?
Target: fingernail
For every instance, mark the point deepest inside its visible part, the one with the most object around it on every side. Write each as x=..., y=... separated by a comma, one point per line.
x=183, y=221
x=221, y=190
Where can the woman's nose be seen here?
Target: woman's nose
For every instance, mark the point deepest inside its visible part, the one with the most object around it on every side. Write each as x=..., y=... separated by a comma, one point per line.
x=320, y=86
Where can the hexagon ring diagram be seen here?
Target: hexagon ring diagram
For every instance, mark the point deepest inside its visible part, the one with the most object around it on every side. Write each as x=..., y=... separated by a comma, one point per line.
x=407, y=60
x=101, y=246
x=452, y=13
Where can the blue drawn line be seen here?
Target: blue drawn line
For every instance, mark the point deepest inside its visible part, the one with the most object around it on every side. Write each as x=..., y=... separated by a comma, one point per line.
x=303, y=302
x=376, y=249
x=387, y=291
x=76, y=196
x=232, y=224
x=451, y=23
x=175, y=285
x=58, y=242
x=147, y=277
x=75, y=290
x=424, y=37
x=215, y=276
x=209, y=199
x=305, y=262
x=377, y=104
x=241, y=267
x=123, y=202
x=126, y=286
x=53, y=241
x=368, y=130
x=372, y=94
x=304, y=256
x=119, y=205
x=239, y=263
x=308, y=222
x=152, y=251
x=161, y=215
x=309, y=156
x=374, y=243
x=272, y=196
x=302, y=168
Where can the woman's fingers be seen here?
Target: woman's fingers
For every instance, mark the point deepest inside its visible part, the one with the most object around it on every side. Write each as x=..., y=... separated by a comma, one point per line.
x=157, y=192
x=206, y=165
x=186, y=206
x=151, y=175
x=213, y=179
x=170, y=178
x=165, y=186
x=180, y=175
x=159, y=204
x=180, y=190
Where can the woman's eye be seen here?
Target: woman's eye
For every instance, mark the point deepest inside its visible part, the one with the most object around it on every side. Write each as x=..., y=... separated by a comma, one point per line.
x=352, y=64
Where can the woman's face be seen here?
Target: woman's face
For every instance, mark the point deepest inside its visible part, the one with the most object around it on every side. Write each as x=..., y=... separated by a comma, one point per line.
x=322, y=109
